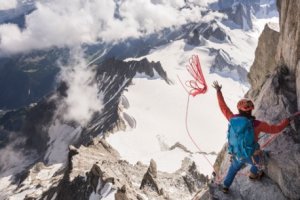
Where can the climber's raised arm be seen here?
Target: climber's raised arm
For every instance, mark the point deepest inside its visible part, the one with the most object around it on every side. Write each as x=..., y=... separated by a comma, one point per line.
x=222, y=104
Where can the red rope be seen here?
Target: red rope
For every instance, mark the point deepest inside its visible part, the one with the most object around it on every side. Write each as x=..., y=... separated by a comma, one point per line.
x=273, y=137
x=190, y=136
x=198, y=85
x=296, y=114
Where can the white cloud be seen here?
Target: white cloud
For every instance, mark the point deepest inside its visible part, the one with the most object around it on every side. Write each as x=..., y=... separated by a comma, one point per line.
x=8, y=4
x=13, y=159
x=73, y=22
x=57, y=23
x=202, y=2
x=83, y=98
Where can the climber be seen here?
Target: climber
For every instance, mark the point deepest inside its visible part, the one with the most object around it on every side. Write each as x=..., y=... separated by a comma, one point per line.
x=244, y=149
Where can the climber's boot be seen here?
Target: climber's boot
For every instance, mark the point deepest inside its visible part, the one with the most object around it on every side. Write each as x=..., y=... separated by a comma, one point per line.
x=257, y=176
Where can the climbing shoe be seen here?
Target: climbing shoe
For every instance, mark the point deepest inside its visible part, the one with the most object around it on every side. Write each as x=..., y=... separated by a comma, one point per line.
x=257, y=176
x=225, y=190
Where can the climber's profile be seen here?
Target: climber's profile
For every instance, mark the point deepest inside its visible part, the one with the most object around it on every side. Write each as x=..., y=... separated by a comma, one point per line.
x=243, y=132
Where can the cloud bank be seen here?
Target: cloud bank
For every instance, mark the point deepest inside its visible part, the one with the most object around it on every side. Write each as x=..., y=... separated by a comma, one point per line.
x=74, y=22
x=8, y=4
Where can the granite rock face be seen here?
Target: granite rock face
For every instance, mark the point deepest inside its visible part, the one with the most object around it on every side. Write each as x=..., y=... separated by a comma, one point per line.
x=288, y=51
x=275, y=87
x=264, y=63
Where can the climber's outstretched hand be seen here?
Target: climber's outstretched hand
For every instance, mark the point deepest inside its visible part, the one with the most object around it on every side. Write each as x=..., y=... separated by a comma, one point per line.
x=217, y=86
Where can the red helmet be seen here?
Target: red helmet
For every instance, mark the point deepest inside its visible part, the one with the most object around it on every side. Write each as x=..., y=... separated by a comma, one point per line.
x=245, y=105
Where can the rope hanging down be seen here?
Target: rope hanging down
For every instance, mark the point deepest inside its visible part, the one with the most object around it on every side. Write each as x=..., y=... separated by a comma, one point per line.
x=197, y=86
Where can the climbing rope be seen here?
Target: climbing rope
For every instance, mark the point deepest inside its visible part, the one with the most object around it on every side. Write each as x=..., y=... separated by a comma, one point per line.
x=196, y=87
x=273, y=137
x=199, y=86
x=269, y=140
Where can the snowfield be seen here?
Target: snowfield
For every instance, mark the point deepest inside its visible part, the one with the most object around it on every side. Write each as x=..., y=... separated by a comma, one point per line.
x=160, y=109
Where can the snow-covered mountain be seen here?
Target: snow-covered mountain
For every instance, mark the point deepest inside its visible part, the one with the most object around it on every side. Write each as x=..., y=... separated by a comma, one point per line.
x=127, y=93
x=31, y=75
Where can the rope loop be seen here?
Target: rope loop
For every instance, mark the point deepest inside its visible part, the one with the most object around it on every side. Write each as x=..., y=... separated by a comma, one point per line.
x=198, y=85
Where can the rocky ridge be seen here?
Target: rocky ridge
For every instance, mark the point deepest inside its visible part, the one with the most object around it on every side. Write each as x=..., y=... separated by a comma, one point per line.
x=97, y=171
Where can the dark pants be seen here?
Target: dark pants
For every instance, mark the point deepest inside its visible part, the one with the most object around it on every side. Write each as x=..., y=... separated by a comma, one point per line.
x=236, y=165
